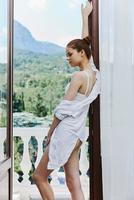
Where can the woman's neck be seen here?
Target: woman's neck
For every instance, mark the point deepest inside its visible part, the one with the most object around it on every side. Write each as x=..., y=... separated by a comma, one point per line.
x=84, y=65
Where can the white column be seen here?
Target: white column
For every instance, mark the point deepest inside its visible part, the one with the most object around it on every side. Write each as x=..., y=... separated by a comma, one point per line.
x=40, y=148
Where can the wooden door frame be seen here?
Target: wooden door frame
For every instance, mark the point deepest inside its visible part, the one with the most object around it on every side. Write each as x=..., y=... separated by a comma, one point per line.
x=9, y=95
x=6, y=166
x=96, y=185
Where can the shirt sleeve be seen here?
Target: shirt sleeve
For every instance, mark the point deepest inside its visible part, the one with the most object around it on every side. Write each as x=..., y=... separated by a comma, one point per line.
x=64, y=109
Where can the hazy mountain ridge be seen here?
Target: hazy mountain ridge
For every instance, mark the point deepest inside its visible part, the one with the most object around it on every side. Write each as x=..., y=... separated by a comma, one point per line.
x=24, y=40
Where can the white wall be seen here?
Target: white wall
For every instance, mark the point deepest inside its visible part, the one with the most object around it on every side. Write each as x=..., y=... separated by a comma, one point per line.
x=117, y=98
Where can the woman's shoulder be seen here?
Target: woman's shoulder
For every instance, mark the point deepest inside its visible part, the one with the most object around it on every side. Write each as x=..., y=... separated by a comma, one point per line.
x=76, y=78
x=77, y=74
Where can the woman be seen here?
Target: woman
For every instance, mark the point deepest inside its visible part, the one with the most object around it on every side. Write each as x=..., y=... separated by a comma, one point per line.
x=67, y=132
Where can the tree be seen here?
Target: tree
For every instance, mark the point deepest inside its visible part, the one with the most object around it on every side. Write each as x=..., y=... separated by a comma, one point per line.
x=18, y=102
x=39, y=108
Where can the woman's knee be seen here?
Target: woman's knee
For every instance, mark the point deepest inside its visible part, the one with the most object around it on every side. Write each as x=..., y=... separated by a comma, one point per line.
x=37, y=178
x=73, y=184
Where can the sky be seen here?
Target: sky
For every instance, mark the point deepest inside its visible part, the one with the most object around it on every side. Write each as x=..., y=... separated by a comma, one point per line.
x=50, y=20
x=47, y=20
x=3, y=31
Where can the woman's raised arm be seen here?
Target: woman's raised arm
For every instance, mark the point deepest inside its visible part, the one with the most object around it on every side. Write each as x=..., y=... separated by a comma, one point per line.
x=85, y=12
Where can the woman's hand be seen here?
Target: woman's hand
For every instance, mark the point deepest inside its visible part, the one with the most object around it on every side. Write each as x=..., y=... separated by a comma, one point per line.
x=87, y=9
x=48, y=137
x=54, y=124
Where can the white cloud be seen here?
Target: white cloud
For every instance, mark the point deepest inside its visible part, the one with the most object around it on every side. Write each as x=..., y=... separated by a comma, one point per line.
x=3, y=49
x=64, y=40
x=74, y=3
x=37, y=5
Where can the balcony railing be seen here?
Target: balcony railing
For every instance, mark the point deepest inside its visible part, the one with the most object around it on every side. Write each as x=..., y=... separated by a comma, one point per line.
x=28, y=146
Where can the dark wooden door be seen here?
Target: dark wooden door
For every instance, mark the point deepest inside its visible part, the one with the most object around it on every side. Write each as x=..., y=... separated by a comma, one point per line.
x=96, y=189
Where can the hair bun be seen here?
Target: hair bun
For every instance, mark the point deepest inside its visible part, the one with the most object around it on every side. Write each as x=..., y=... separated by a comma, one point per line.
x=87, y=40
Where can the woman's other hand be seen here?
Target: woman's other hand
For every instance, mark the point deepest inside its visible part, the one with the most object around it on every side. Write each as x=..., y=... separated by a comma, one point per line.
x=87, y=9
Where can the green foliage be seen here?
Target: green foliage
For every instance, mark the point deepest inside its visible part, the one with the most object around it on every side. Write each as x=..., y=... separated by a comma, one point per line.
x=3, y=68
x=33, y=148
x=39, y=81
x=18, y=102
x=3, y=121
x=43, y=87
x=18, y=153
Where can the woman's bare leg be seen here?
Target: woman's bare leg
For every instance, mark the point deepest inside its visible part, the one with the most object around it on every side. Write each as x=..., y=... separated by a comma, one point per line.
x=72, y=174
x=40, y=178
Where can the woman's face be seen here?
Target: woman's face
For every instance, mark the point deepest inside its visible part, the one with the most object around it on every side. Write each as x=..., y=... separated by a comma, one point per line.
x=73, y=56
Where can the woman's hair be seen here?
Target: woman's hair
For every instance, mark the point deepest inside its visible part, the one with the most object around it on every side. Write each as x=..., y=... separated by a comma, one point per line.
x=81, y=44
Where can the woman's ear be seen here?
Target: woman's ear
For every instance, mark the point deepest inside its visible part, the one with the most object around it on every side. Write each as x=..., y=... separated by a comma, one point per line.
x=82, y=52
